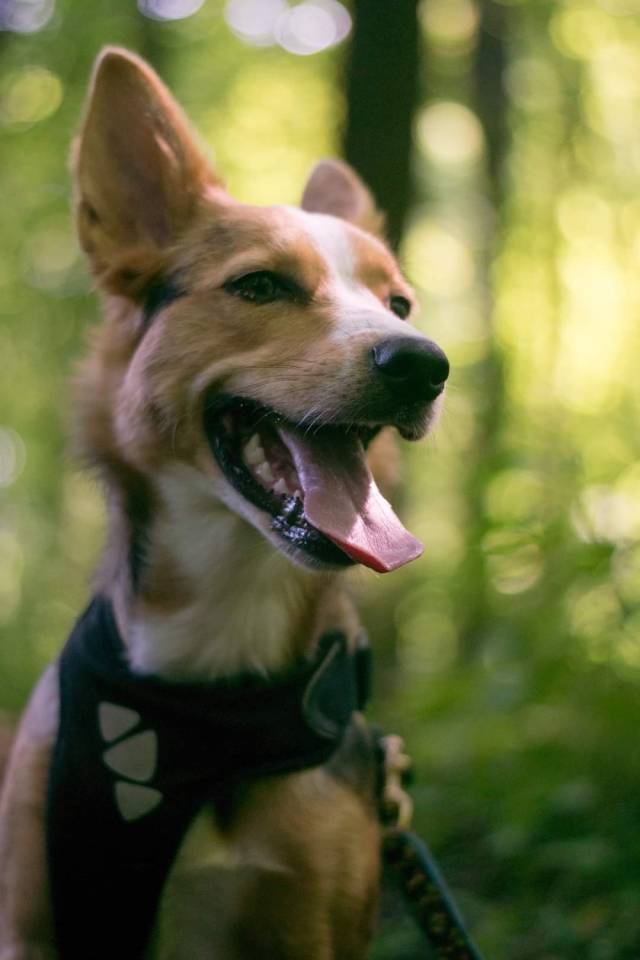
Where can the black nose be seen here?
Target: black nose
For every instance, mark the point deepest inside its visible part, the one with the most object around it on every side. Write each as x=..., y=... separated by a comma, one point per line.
x=413, y=368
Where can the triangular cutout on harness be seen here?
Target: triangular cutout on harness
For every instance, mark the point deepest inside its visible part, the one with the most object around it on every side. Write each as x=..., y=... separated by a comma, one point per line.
x=134, y=757
x=134, y=801
x=115, y=720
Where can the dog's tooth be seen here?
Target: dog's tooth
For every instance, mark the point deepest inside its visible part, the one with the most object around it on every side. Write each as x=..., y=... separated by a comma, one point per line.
x=263, y=470
x=280, y=487
x=290, y=507
x=253, y=452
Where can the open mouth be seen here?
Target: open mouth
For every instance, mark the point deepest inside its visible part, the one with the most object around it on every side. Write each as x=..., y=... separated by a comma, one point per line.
x=315, y=485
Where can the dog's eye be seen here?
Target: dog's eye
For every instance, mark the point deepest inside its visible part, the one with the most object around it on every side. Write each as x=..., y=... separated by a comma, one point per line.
x=400, y=306
x=261, y=287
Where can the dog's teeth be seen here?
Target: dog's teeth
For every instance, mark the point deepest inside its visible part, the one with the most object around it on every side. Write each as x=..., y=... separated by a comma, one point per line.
x=290, y=506
x=253, y=452
x=280, y=487
x=264, y=472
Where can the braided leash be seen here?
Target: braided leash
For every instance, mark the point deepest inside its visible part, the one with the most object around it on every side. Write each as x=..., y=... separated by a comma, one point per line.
x=413, y=866
x=427, y=895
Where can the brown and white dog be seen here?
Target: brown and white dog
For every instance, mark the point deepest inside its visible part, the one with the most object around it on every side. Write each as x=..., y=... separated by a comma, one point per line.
x=230, y=429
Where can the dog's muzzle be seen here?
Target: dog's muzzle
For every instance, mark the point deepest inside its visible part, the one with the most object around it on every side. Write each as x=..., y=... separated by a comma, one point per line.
x=406, y=376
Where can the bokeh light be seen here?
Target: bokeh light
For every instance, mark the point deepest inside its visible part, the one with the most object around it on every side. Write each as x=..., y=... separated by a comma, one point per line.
x=25, y=16
x=254, y=21
x=312, y=26
x=438, y=260
x=450, y=134
x=169, y=9
x=48, y=256
x=451, y=24
x=303, y=29
x=29, y=95
x=12, y=456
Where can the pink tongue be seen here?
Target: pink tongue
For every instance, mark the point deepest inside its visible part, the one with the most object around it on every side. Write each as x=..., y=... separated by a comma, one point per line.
x=342, y=500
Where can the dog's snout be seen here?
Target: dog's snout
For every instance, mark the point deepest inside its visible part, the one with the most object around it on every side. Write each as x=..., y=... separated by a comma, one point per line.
x=415, y=368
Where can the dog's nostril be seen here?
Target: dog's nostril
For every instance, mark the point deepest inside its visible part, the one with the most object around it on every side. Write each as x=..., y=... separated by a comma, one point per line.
x=411, y=365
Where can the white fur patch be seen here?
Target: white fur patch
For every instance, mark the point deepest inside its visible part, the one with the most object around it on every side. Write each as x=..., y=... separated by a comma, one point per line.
x=357, y=309
x=248, y=594
x=330, y=237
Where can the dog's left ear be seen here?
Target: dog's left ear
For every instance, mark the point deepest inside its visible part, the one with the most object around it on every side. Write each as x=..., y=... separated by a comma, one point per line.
x=335, y=188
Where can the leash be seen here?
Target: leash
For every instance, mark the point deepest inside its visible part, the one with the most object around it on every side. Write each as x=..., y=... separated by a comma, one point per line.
x=414, y=868
x=427, y=896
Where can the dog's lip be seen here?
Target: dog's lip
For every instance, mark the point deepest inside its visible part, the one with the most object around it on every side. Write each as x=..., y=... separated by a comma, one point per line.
x=219, y=404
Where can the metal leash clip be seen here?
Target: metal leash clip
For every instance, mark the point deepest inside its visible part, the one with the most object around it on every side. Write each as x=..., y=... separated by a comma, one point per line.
x=395, y=804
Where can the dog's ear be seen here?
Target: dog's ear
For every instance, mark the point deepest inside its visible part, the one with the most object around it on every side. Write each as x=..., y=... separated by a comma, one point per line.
x=139, y=171
x=335, y=188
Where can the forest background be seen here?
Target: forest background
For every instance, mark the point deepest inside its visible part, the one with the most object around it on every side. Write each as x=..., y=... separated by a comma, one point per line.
x=503, y=139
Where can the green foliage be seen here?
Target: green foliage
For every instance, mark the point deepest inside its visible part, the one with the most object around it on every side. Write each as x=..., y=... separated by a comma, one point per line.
x=510, y=654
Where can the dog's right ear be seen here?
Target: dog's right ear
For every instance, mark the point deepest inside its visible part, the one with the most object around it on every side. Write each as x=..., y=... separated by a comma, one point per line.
x=139, y=172
x=335, y=188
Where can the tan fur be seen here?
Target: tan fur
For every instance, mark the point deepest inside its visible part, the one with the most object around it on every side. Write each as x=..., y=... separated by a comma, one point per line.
x=293, y=873
x=25, y=920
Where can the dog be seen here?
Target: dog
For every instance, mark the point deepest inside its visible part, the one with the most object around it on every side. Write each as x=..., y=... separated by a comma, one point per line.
x=247, y=360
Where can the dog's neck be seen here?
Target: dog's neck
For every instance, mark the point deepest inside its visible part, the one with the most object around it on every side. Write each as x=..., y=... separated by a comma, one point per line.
x=213, y=598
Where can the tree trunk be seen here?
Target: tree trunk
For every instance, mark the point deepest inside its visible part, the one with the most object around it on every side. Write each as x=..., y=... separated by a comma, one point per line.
x=491, y=105
x=381, y=87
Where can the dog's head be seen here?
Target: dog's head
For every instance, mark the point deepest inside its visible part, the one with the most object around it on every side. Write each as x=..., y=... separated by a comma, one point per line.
x=263, y=346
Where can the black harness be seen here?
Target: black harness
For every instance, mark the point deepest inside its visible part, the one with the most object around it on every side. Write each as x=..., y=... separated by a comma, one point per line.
x=137, y=757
